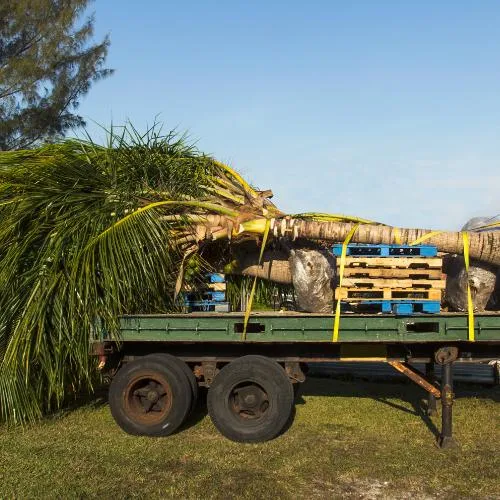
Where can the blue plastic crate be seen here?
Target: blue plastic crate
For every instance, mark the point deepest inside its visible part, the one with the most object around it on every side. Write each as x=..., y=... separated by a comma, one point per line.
x=401, y=307
x=368, y=250
x=207, y=306
x=216, y=296
x=216, y=278
x=211, y=295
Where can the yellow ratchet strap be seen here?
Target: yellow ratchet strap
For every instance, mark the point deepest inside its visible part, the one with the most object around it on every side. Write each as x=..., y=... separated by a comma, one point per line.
x=252, y=292
x=425, y=237
x=336, y=323
x=470, y=305
x=397, y=236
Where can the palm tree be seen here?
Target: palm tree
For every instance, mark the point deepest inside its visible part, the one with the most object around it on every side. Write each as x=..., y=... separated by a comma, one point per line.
x=94, y=231
x=483, y=246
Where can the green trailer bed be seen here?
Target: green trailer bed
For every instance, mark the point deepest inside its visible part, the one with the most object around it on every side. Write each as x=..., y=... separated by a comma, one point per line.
x=306, y=327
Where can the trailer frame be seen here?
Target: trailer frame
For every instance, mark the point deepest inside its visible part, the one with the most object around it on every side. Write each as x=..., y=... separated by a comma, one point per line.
x=207, y=342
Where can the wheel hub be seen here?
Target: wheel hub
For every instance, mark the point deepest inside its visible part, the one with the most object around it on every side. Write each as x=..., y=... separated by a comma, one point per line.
x=148, y=399
x=152, y=396
x=249, y=401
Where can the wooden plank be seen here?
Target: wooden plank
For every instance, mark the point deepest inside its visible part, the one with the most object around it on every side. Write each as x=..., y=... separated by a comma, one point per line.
x=217, y=287
x=359, y=294
x=395, y=262
x=388, y=272
x=214, y=287
x=392, y=283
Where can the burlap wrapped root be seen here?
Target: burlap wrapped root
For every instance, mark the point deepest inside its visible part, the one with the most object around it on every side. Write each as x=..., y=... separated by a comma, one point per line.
x=481, y=277
x=313, y=274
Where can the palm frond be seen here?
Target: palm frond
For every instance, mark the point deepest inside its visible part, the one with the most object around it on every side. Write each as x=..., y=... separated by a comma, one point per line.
x=83, y=237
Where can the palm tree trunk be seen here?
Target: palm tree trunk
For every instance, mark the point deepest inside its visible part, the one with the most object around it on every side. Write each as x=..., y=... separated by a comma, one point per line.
x=484, y=246
x=274, y=267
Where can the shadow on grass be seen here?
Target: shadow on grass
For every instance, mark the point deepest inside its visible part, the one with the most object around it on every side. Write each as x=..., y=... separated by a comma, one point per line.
x=95, y=399
x=99, y=398
x=91, y=400
x=387, y=391
x=198, y=413
x=383, y=391
x=346, y=386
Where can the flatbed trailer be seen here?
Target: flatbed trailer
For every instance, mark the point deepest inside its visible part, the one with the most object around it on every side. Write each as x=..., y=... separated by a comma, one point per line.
x=160, y=361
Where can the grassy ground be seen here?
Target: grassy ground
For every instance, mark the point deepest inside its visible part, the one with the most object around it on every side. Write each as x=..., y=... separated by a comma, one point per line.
x=353, y=440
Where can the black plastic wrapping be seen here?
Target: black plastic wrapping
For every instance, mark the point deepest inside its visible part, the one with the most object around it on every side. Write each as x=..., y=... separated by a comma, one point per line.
x=481, y=277
x=313, y=274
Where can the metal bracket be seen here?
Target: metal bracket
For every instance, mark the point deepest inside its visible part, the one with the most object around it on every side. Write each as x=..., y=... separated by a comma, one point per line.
x=294, y=371
x=445, y=439
x=208, y=371
x=446, y=355
x=416, y=377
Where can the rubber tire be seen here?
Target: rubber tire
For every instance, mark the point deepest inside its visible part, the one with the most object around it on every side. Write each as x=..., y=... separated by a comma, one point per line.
x=296, y=390
x=179, y=386
x=169, y=359
x=272, y=378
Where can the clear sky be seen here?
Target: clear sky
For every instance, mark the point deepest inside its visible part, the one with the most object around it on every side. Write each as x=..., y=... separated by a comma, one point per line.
x=388, y=110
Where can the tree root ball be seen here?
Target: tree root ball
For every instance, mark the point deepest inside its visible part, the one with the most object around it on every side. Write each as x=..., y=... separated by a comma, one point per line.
x=481, y=278
x=313, y=273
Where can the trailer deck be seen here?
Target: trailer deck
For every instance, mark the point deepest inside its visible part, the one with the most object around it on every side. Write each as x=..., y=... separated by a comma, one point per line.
x=306, y=327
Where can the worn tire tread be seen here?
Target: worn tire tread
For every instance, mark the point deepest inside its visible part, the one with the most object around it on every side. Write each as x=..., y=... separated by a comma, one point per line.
x=269, y=375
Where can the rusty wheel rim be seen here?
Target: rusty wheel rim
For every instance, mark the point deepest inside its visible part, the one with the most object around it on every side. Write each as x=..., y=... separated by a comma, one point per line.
x=249, y=401
x=148, y=398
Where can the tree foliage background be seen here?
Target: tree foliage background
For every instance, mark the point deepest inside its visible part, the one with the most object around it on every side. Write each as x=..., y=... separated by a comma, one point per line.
x=46, y=65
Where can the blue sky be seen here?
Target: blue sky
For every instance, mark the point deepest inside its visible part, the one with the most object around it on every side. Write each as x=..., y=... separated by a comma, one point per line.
x=388, y=110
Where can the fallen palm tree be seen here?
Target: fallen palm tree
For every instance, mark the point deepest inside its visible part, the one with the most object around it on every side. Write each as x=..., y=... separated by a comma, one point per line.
x=93, y=231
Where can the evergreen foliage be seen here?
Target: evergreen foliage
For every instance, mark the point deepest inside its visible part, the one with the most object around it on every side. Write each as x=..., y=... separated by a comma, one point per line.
x=46, y=65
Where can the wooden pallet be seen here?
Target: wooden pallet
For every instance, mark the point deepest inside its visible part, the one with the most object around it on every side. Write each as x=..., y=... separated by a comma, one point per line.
x=351, y=282
x=388, y=272
x=360, y=294
x=394, y=262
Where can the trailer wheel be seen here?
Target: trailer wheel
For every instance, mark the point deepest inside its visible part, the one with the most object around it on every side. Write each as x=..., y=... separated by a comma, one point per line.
x=296, y=390
x=150, y=397
x=168, y=358
x=251, y=399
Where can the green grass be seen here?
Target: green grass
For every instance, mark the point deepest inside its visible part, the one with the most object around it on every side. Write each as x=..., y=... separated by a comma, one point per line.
x=355, y=440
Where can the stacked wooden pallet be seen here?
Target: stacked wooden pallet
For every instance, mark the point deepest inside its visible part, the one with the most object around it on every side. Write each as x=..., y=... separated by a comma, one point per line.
x=391, y=278
x=210, y=297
